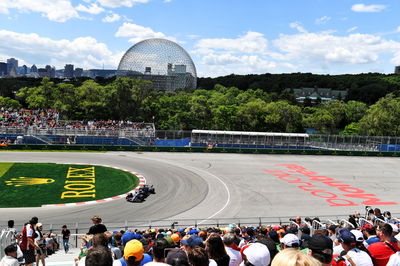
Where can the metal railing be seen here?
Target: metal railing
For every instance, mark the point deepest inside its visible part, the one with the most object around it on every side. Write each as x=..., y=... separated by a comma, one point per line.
x=148, y=136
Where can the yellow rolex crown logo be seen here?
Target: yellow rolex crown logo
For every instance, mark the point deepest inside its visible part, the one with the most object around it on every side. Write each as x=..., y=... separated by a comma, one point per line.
x=28, y=181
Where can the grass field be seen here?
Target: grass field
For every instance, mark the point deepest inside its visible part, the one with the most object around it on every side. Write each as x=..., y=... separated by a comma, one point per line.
x=44, y=183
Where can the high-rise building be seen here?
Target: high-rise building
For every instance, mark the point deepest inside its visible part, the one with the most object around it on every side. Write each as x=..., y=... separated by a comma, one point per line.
x=3, y=69
x=24, y=70
x=69, y=71
x=12, y=62
x=34, y=69
x=78, y=72
x=397, y=70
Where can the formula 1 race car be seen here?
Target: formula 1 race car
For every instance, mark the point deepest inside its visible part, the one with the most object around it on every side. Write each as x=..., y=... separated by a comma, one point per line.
x=141, y=194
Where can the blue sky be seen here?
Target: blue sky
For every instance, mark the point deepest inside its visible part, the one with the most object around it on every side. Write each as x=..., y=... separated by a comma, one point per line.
x=222, y=36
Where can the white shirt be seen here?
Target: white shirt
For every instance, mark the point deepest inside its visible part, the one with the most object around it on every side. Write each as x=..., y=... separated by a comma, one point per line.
x=337, y=250
x=9, y=261
x=359, y=257
x=394, y=260
x=235, y=257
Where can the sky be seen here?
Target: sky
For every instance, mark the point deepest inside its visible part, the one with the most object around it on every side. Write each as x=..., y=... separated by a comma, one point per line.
x=222, y=36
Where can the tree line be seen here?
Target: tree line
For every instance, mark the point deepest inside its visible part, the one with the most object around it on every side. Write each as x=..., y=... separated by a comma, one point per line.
x=222, y=108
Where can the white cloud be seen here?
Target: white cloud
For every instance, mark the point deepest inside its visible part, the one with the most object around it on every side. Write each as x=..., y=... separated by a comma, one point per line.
x=352, y=29
x=119, y=3
x=111, y=18
x=59, y=11
x=398, y=29
x=92, y=9
x=367, y=8
x=251, y=42
x=327, y=49
x=167, y=1
x=298, y=27
x=84, y=52
x=139, y=33
x=322, y=20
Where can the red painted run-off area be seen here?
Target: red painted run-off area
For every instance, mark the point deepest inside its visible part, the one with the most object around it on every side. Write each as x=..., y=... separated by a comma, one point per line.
x=310, y=180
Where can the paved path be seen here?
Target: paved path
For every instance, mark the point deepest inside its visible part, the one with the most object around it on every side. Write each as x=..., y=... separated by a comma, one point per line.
x=206, y=185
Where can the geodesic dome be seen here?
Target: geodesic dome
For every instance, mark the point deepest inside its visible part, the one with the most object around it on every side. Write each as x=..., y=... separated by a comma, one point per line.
x=161, y=61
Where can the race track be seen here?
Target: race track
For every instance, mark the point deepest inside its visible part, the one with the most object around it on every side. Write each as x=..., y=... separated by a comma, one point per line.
x=207, y=185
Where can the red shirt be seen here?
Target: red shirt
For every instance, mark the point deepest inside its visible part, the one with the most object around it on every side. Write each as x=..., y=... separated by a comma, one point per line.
x=381, y=252
x=27, y=233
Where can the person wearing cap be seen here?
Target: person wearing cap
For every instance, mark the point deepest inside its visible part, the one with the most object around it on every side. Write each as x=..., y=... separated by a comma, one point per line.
x=28, y=245
x=352, y=255
x=177, y=257
x=65, y=237
x=290, y=241
x=369, y=232
x=10, y=257
x=192, y=242
x=321, y=248
x=234, y=255
x=256, y=254
x=394, y=260
x=97, y=227
x=133, y=253
x=40, y=241
x=381, y=251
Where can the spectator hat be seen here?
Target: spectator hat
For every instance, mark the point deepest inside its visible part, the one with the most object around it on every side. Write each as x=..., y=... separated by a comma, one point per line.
x=346, y=236
x=358, y=234
x=177, y=255
x=290, y=239
x=134, y=248
x=257, y=254
x=321, y=244
x=193, y=241
x=175, y=238
x=367, y=227
x=127, y=236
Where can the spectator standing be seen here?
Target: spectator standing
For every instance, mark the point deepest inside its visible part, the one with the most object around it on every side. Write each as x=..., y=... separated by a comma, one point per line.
x=216, y=250
x=290, y=241
x=28, y=245
x=234, y=255
x=321, y=248
x=158, y=248
x=10, y=257
x=394, y=260
x=294, y=257
x=99, y=256
x=256, y=254
x=369, y=232
x=98, y=227
x=65, y=236
x=133, y=253
x=381, y=251
x=40, y=241
x=353, y=255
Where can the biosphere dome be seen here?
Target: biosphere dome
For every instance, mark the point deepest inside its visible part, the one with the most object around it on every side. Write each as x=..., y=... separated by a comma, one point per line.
x=161, y=61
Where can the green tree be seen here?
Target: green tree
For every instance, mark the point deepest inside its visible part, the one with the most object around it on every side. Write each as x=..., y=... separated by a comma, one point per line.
x=338, y=111
x=251, y=115
x=7, y=102
x=351, y=129
x=355, y=110
x=283, y=117
x=382, y=118
x=319, y=119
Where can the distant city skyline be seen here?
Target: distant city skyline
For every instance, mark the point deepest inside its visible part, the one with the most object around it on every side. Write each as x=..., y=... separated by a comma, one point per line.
x=222, y=37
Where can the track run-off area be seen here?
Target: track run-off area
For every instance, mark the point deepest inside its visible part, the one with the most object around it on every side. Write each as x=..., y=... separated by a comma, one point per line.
x=213, y=186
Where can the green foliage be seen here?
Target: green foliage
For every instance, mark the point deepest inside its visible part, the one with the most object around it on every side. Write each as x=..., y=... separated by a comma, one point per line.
x=351, y=129
x=382, y=118
x=283, y=117
x=7, y=102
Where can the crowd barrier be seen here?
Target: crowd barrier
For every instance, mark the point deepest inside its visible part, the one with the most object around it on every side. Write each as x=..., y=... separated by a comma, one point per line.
x=104, y=148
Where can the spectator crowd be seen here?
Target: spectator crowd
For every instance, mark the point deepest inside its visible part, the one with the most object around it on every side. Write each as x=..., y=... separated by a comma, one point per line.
x=370, y=240
x=50, y=119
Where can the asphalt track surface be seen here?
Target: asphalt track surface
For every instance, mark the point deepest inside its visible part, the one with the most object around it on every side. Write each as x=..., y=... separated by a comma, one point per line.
x=216, y=186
